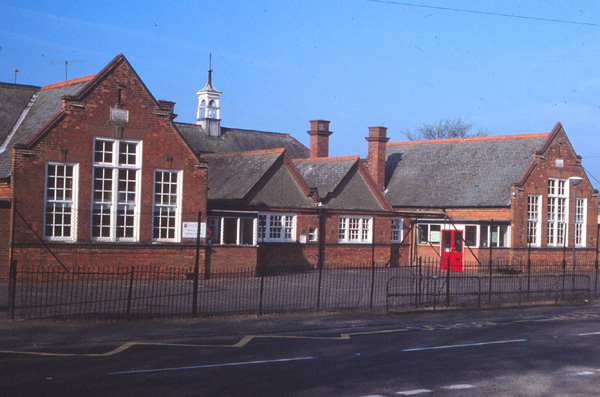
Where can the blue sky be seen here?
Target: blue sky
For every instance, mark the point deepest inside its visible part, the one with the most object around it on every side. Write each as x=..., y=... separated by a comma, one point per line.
x=357, y=63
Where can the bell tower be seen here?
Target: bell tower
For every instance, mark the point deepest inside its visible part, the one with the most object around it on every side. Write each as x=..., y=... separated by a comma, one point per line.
x=209, y=111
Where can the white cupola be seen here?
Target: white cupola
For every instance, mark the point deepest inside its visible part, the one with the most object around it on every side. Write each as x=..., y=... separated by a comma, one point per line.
x=209, y=111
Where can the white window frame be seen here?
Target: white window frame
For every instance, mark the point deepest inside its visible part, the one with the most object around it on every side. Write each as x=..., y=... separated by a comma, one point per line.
x=159, y=207
x=276, y=227
x=72, y=202
x=313, y=234
x=534, y=220
x=464, y=230
x=355, y=229
x=396, y=230
x=214, y=223
x=480, y=229
x=429, y=241
x=580, y=221
x=557, y=211
x=496, y=230
x=220, y=224
x=113, y=204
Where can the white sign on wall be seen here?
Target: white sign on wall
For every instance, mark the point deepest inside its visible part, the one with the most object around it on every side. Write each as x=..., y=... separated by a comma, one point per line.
x=120, y=115
x=190, y=230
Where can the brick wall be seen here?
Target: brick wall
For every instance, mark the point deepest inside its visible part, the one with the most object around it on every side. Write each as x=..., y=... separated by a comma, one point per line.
x=90, y=254
x=5, y=230
x=231, y=258
x=544, y=167
x=75, y=131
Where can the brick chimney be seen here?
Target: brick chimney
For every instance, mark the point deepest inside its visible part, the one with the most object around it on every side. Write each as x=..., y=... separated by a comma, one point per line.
x=319, y=138
x=376, y=158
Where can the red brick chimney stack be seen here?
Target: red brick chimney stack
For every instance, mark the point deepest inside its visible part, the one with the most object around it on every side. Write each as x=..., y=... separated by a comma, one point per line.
x=376, y=158
x=319, y=138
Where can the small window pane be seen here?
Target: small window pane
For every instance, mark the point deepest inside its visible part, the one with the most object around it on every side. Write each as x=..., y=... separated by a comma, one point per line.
x=471, y=236
x=435, y=234
x=483, y=236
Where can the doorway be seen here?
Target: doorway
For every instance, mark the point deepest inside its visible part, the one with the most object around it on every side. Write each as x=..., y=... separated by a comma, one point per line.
x=452, y=250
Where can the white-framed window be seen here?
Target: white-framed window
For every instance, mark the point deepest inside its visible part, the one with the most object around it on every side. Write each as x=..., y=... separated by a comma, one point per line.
x=166, y=223
x=214, y=230
x=557, y=212
x=313, y=234
x=500, y=236
x=533, y=219
x=471, y=235
x=580, y=220
x=396, y=230
x=276, y=227
x=476, y=236
x=496, y=235
x=60, y=220
x=429, y=234
x=116, y=189
x=355, y=229
x=232, y=229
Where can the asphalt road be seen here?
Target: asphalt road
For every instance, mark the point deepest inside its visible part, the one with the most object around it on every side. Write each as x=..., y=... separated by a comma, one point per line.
x=525, y=352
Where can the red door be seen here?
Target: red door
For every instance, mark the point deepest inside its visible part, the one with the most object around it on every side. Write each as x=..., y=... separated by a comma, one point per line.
x=452, y=249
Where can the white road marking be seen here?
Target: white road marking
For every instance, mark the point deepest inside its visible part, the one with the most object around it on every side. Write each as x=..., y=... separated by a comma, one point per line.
x=467, y=345
x=457, y=387
x=210, y=366
x=582, y=373
x=413, y=392
x=591, y=333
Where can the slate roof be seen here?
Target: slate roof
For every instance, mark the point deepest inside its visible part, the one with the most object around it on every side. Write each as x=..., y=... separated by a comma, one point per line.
x=324, y=174
x=461, y=172
x=13, y=100
x=340, y=183
x=237, y=140
x=47, y=104
x=231, y=176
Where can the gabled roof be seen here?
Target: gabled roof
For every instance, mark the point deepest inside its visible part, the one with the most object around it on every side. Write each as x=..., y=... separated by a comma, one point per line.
x=232, y=176
x=342, y=183
x=46, y=103
x=459, y=172
x=237, y=140
x=326, y=173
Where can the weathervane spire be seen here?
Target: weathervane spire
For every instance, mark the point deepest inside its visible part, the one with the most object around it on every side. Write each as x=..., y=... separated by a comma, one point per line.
x=210, y=68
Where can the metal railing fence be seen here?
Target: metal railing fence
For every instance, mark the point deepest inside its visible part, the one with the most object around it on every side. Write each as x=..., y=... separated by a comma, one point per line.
x=39, y=291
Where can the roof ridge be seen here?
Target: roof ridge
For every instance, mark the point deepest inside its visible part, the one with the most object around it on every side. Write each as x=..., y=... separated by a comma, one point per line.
x=260, y=151
x=338, y=158
x=256, y=131
x=239, y=129
x=68, y=82
x=473, y=138
x=19, y=86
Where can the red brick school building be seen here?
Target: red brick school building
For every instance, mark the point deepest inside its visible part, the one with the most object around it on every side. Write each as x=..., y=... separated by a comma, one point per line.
x=96, y=171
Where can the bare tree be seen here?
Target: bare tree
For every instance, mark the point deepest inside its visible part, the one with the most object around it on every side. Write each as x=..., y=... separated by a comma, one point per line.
x=444, y=129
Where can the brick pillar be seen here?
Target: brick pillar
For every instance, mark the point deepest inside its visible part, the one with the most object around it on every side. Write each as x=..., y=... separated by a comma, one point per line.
x=319, y=138
x=376, y=158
